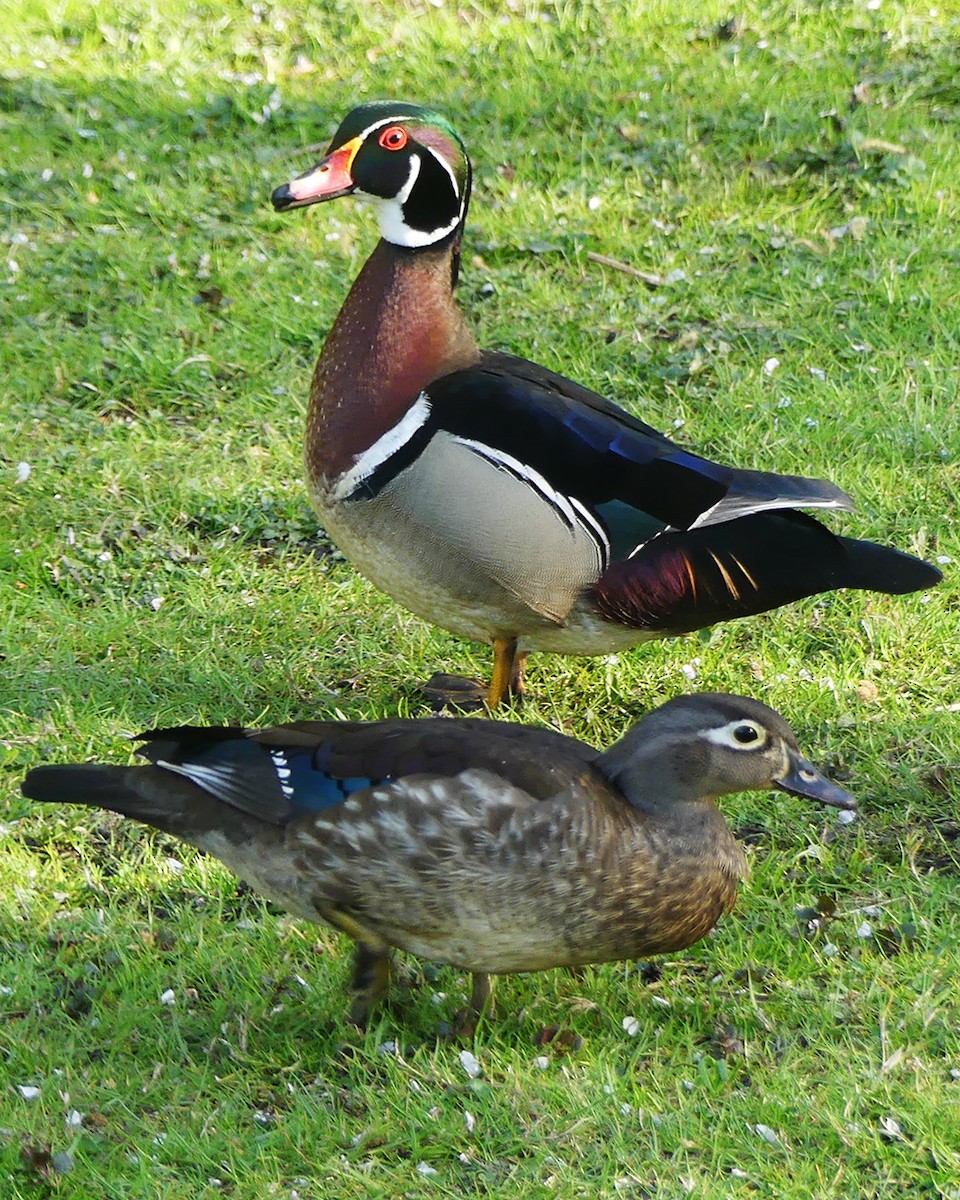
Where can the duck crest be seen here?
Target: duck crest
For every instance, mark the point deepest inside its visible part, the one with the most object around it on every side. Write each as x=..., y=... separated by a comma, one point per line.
x=399, y=329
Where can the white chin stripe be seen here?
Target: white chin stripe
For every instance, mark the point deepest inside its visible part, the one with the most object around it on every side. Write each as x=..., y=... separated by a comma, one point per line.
x=393, y=227
x=382, y=449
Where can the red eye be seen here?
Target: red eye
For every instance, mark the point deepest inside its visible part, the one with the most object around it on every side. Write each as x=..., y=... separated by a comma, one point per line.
x=393, y=138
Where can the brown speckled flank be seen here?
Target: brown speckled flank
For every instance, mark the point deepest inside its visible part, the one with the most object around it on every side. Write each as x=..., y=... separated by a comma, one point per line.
x=493, y=847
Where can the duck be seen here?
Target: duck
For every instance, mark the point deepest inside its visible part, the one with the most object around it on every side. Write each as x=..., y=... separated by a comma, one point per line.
x=501, y=501
x=490, y=846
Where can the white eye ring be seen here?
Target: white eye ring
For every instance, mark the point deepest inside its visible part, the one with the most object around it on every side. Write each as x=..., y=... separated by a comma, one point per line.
x=742, y=734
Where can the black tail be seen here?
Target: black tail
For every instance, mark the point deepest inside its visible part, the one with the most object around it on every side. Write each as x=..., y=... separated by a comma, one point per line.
x=148, y=794
x=882, y=569
x=684, y=581
x=89, y=783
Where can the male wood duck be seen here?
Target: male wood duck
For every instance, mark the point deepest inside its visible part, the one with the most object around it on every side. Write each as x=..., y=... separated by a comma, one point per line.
x=490, y=846
x=502, y=501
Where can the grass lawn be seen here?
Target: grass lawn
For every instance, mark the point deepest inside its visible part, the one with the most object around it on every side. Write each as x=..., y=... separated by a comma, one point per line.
x=793, y=181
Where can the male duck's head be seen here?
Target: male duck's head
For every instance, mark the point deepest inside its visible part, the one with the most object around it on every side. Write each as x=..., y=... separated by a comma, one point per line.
x=406, y=159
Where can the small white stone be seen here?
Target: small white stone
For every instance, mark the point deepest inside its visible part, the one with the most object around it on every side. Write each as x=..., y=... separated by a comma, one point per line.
x=767, y=1134
x=830, y=950
x=771, y=365
x=155, y=602
x=470, y=1063
x=541, y=1062
x=23, y=474
x=594, y=203
x=169, y=997
x=817, y=372
x=74, y=1119
x=470, y=1121
x=424, y=1168
x=28, y=1092
x=864, y=930
x=846, y=816
x=631, y=1026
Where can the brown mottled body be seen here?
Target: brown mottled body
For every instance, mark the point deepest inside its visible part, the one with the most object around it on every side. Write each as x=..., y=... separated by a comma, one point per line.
x=491, y=846
x=632, y=887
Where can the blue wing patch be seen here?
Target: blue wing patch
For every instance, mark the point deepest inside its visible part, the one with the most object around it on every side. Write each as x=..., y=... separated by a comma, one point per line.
x=270, y=782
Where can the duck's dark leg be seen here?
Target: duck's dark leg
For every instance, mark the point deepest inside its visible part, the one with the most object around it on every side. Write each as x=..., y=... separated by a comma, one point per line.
x=506, y=672
x=371, y=963
x=468, y=695
x=517, y=680
x=371, y=974
x=481, y=1005
x=454, y=691
x=481, y=998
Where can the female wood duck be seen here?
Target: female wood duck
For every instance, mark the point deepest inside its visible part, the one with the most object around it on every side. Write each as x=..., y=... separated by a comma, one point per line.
x=505, y=502
x=490, y=846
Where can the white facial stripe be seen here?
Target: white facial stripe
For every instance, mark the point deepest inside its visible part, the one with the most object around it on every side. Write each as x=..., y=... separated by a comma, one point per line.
x=404, y=194
x=724, y=735
x=572, y=510
x=397, y=120
x=393, y=229
x=449, y=170
x=382, y=449
x=390, y=212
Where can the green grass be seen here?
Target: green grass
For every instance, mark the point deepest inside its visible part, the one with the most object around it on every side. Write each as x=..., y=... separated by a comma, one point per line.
x=162, y=566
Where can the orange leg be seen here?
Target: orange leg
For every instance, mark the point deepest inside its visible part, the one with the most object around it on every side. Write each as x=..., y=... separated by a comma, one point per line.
x=504, y=667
